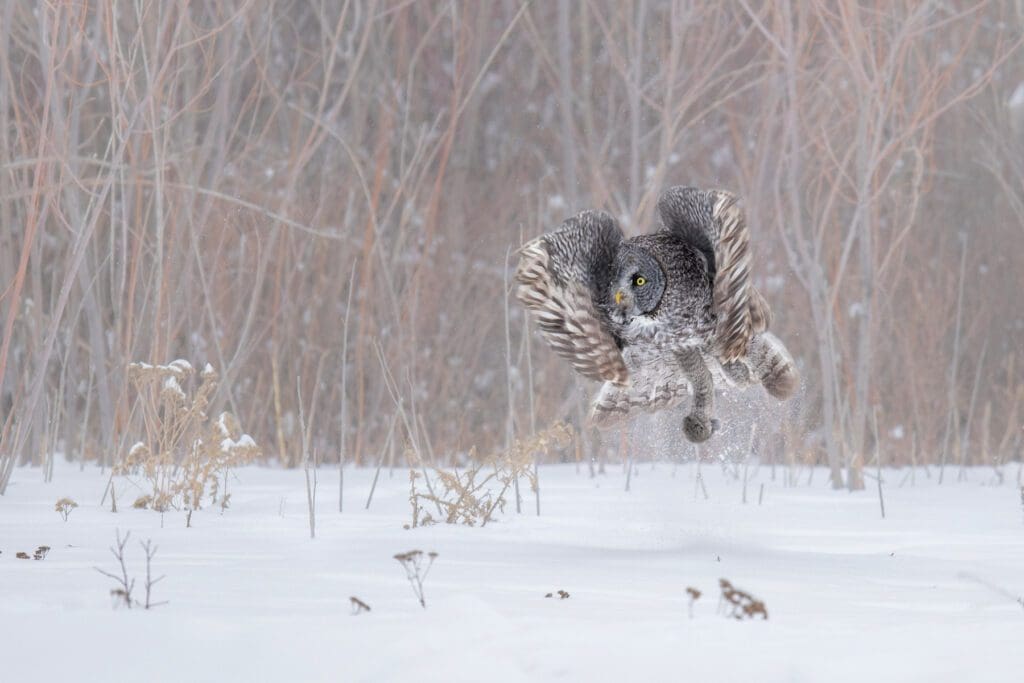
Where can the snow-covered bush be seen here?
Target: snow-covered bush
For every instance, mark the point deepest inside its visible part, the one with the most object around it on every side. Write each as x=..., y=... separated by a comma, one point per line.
x=183, y=453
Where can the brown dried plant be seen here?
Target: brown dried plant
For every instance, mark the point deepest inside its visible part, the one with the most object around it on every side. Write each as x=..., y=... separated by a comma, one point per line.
x=64, y=506
x=694, y=595
x=358, y=606
x=416, y=570
x=471, y=496
x=121, y=594
x=184, y=453
x=740, y=604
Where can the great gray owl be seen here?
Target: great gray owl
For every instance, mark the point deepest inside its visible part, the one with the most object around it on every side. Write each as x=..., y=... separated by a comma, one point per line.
x=658, y=312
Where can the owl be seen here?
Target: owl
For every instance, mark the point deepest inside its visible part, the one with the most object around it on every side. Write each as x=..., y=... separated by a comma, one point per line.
x=658, y=315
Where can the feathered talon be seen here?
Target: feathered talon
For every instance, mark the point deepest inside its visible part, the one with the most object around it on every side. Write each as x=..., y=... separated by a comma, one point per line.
x=698, y=430
x=782, y=384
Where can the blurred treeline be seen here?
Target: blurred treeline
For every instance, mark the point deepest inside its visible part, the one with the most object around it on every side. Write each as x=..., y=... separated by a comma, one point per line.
x=204, y=179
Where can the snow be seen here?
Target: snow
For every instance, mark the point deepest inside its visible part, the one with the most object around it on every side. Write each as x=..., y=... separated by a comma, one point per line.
x=851, y=597
x=171, y=385
x=223, y=427
x=245, y=441
x=181, y=367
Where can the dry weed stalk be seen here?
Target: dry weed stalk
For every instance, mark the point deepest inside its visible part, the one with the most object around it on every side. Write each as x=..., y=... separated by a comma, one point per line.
x=184, y=453
x=468, y=496
x=358, y=606
x=694, y=595
x=121, y=594
x=64, y=506
x=416, y=571
x=150, y=550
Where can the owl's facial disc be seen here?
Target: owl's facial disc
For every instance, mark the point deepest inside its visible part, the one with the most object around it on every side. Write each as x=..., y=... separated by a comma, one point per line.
x=638, y=284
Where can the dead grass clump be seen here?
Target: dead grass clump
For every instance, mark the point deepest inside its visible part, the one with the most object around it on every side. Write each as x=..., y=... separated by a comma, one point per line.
x=740, y=605
x=184, y=453
x=64, y=507
x=473, y=495
x=39, y=554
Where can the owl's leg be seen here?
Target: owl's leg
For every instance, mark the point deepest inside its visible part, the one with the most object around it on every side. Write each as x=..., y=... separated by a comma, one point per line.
x=771, y=363
x=698, y=425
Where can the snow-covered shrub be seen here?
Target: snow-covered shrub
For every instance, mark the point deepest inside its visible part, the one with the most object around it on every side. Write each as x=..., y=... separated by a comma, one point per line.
x=183, y=453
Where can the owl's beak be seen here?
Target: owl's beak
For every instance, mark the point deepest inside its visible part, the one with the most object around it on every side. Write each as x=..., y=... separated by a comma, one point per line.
x=618, y=298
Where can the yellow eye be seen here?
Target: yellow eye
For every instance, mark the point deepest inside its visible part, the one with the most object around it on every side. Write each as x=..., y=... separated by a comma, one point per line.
x=641, y=281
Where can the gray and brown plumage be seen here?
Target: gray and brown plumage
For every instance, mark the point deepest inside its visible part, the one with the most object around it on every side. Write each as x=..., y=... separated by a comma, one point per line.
x=657, y=313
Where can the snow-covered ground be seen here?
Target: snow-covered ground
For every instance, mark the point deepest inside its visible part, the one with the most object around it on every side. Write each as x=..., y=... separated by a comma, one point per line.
x=851, y=597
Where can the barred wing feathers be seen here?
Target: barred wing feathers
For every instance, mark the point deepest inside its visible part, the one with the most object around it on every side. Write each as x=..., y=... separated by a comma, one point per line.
x=561, y=277
x=714, y=222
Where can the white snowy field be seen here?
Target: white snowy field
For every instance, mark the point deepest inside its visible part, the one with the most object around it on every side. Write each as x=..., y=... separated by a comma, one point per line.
x=851, y=597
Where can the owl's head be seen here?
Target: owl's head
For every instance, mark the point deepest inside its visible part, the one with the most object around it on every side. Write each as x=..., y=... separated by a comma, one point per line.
x=637, y=284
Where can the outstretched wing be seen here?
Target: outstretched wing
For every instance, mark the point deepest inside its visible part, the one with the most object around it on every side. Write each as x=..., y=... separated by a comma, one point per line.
x=714, y=222
x=561, y=277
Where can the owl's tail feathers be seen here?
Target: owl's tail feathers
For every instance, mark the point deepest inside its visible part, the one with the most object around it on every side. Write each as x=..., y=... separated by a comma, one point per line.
x=774, y=366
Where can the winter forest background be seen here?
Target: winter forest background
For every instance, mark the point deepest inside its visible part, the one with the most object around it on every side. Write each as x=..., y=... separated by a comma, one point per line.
x=320, y=200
